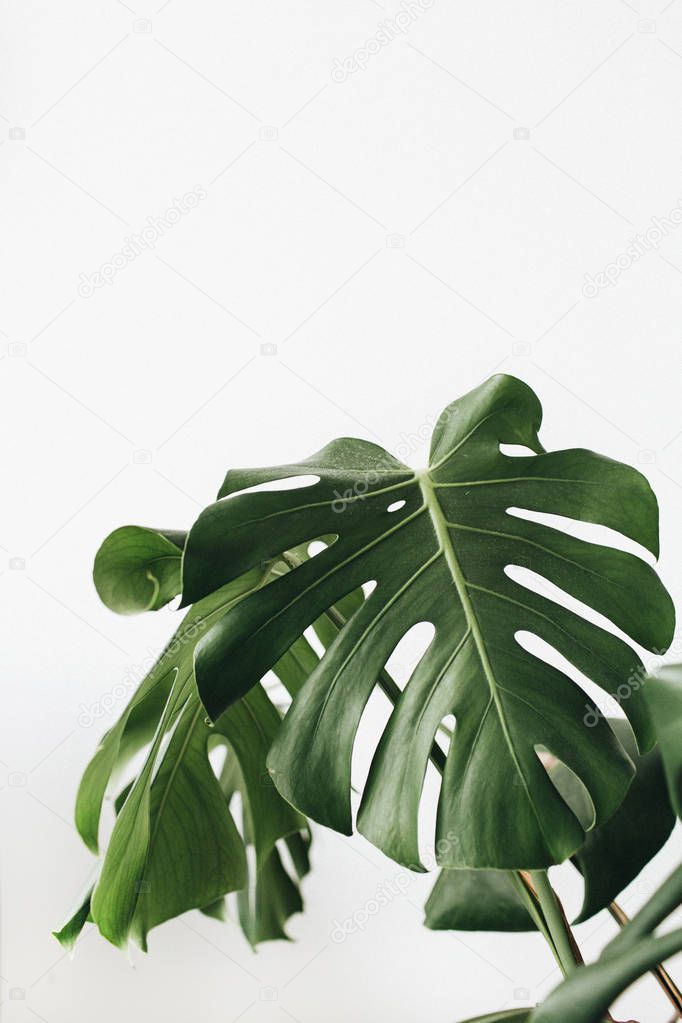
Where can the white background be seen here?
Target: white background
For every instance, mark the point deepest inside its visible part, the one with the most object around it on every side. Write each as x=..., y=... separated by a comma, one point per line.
x=397, y=238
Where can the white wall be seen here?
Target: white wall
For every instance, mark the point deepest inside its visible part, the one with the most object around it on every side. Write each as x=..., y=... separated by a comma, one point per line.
x=397, y=243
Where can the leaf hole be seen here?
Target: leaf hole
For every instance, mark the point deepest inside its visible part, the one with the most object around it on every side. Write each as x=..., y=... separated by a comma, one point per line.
x=288, y=483
x=536, y=583
x=318, y=546
x=516, y=451
x=409, y=651
x=545, y=652
x=591, y=532
x=446, y=733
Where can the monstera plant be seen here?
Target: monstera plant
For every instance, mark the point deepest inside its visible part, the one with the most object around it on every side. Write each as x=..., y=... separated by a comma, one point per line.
x=245, y=733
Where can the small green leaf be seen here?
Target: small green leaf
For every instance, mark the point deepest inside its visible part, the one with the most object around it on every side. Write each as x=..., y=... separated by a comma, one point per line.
x=138, y=569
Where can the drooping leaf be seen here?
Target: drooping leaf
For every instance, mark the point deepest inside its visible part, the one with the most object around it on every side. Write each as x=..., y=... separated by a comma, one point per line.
x=476, y=900
x=216, y=910
x=137, y=724
x=271, y=898
x=436, y=544
x=138, y=569
x=70, y=931
x=175, y=845
x=272, y=892
x=585, y=996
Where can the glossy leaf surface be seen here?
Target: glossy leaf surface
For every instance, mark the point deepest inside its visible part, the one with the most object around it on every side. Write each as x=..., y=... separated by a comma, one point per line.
x=438, y=544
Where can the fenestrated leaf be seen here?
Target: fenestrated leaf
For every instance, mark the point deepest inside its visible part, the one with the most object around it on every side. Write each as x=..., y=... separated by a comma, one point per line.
x=585, y=996
x=175, y=845
x=138, y=569
x=476, y=900
x=437, y=543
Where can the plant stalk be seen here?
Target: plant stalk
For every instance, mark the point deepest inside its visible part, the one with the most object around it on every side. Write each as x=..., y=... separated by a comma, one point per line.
x=557, y=924
x=530, y=900
x=659, y=972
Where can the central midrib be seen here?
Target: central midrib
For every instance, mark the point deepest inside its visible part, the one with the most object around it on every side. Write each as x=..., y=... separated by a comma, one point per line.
x=445, y=543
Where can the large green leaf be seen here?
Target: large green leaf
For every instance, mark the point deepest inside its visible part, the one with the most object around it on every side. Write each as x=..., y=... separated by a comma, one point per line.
x=587, y=994
x=436, y=543
x=175, y=845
